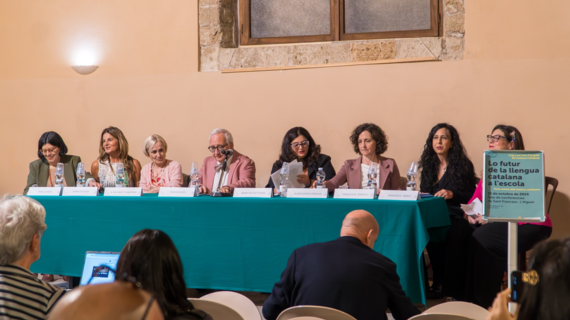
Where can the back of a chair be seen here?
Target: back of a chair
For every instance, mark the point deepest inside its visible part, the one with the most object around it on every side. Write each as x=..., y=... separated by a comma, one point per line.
x=240, y=303
x=314, y=312
x=439, y=317
x=216, y=310
x=185, y=180
x=550, y=181
x=467, y=309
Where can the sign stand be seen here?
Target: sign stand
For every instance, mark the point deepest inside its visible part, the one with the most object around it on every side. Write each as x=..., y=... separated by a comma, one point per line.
x=512, y=255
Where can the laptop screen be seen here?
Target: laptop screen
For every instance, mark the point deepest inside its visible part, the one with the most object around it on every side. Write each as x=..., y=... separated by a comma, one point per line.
x=93, y=260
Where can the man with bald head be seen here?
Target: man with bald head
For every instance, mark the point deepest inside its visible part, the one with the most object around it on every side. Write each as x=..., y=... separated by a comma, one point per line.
x=345, y=274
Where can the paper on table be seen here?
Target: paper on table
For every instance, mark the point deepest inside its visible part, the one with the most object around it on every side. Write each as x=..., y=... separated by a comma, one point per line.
x=474, y=208
x=276, y=177
x=295, y=169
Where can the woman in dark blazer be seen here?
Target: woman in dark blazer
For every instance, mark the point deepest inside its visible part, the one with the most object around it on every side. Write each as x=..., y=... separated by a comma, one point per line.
x=447, y=172
x=299, y=145
x=51, y=151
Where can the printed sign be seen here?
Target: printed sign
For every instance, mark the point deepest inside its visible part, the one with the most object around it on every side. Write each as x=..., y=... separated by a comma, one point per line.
x=178, y=192
x=399, y=195
x=253, y=192
x=307, y=193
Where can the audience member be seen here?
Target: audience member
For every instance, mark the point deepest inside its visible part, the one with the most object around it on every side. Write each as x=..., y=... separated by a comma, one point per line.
x=22, y=294
x=161, y=172
x=546, y=299
x=299, y=145
x=119, y=300
x=239, y=171
x=151, y=257
x=370, y=142
x=447, y=172
x=51, y=151
x=345, y=274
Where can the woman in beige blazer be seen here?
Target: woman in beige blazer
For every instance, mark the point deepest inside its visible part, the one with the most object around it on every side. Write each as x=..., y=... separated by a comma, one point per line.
x=370, y=142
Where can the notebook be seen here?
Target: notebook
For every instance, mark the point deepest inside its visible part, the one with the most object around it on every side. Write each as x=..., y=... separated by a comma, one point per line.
x=94, y=259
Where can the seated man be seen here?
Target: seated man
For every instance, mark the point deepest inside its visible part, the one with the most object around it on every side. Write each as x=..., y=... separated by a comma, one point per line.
x=22, y=294
x=116, y=300
x=239, y=172
x=345, y=274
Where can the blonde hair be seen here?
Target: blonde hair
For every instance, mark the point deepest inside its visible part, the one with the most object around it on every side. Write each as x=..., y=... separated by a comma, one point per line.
x=124, y=157
x=151, y=141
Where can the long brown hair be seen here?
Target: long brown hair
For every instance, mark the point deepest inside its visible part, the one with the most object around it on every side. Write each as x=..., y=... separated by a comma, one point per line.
x=127, y=160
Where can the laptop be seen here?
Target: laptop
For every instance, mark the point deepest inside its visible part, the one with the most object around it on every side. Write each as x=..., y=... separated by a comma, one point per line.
x=94, y=259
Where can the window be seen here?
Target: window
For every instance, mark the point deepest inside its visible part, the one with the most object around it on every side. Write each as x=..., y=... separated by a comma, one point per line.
x=293, y=21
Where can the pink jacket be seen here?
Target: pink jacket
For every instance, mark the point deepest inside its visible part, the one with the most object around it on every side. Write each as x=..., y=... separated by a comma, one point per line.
x=351, y=172
x=479, y=195
x=172, y=175
x=240, y=175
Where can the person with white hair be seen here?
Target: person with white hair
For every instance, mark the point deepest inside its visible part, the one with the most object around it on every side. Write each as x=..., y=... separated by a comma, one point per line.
x=238, y=173
x=160, y=172
x=22, y=294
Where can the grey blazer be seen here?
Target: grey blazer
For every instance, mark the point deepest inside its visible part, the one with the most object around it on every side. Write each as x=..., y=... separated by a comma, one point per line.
x=39, y=172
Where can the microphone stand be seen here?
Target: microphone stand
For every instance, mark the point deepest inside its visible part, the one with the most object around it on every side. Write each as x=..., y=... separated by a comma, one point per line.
x=218, y=193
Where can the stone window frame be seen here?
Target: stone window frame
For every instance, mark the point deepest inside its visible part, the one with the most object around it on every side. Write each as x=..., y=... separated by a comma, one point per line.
x=220, y=50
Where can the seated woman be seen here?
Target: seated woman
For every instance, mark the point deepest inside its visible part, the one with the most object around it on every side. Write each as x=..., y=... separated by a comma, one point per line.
x=51, y=151
x=447, y=172
x=545, y=296
x=151, y=257
x=161, y=172
x=488, y=247
x=23, y=295
x=114, y=148
x=299, y=145
x=369, y=141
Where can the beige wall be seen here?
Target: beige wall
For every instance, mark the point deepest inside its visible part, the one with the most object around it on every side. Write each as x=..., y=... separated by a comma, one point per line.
x=516, y=71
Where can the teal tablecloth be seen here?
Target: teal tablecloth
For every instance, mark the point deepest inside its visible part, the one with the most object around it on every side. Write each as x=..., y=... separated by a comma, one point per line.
x=234, y=243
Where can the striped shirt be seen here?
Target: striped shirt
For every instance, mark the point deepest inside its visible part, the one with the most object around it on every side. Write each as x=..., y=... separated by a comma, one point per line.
x=23, y=296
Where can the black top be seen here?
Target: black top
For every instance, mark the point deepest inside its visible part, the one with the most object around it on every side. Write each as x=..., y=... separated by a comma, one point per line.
x=459, y=196
x=343, y=274
x=324, y=162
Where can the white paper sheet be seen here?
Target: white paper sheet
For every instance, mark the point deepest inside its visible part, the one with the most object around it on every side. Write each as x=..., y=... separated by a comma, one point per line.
x=295, y=168
x=474, y=208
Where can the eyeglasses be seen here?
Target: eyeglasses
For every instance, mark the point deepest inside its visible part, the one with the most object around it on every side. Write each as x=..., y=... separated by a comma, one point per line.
x=296, y=145
x=47, y=151
x=495, y=138
x=219, y=148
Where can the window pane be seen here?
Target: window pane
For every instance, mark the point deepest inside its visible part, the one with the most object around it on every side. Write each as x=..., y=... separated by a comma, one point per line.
x=287, y=18
x=386, y=15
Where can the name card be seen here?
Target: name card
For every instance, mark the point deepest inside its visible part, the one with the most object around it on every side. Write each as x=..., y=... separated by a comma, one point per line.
x=399, y=195
x=322, y=193
x=354, y=193
x=80, y=192
x=44, y=191
x=178, y=192
x=123, y=192
x=253, y=192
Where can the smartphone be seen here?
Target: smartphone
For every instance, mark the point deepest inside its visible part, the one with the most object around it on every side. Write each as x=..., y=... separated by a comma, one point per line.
x=517, y=285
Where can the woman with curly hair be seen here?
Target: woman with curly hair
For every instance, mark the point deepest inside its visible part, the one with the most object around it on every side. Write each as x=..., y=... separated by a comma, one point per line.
x=370, y=142
x=299, y=145
x=447, y=172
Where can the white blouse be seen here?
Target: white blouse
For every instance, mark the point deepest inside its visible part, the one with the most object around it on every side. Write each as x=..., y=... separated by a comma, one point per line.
x=107, y=177
x=364, y=175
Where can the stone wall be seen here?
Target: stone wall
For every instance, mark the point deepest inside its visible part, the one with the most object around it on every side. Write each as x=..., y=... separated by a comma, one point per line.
x=219, y=43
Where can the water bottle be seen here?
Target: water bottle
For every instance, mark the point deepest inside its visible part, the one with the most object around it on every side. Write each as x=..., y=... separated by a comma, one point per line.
x=59, y=175
x=372, y=175
x=284, y=184
x=120, y=174
x=194, y=174
x=412, y=175
x=80, y=175
x=321, y=175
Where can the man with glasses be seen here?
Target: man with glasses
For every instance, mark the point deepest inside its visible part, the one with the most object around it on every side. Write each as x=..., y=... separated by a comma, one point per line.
x=239, y=171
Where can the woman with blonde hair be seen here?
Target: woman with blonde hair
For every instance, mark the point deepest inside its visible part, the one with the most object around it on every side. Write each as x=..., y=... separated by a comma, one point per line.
x=161, y=172
x=114, y=149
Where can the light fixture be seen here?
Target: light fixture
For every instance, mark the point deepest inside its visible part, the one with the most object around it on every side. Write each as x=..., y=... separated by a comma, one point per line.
x=84, y=70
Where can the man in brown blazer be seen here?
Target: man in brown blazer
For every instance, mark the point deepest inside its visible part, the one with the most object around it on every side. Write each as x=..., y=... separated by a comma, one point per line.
x=239, y=171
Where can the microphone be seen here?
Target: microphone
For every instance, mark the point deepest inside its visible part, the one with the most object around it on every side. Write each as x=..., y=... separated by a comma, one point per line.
x=227, y=153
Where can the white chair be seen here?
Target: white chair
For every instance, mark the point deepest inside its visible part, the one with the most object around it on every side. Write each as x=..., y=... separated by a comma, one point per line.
x=439, y=317
x=240, y=303
x=313, y=312
x=467, y=309
x=216, y=310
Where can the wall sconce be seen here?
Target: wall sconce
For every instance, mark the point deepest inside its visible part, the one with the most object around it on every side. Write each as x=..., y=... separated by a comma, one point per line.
x=84, y=70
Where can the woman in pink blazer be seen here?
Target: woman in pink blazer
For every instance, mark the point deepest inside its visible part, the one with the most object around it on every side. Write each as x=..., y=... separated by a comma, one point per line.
x=370, y=142
x=161, y=172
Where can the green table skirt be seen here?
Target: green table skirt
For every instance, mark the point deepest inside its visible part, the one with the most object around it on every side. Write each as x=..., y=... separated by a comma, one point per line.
x=234, y=243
